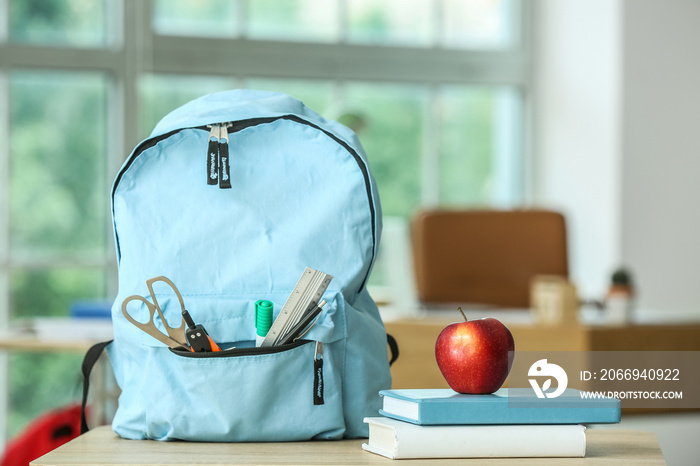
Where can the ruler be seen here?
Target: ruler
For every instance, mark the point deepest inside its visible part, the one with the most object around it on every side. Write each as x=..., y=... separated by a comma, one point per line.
x=306, y=294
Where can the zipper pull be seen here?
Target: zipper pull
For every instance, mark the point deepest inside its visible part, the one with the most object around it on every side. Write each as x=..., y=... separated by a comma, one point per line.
x=213, y=155
x=197, y=337
x=318, y=374
x=224, y=167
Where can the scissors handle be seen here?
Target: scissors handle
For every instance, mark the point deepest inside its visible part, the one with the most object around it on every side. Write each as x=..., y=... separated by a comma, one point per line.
x=175, y=336
x=148, y=327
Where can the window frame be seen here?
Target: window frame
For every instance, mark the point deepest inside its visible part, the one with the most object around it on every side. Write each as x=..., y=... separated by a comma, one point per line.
x=134, y=49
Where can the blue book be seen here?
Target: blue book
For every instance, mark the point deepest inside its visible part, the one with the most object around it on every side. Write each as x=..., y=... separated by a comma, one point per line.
x=505, y=406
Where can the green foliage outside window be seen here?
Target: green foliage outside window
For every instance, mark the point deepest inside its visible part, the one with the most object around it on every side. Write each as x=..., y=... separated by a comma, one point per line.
x=58, y=140
x=467, y=137
x=393, y=139
x=59, y=209
x=81, y=23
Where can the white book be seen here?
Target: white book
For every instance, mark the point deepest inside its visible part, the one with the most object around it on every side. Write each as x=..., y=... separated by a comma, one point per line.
x=400, y=440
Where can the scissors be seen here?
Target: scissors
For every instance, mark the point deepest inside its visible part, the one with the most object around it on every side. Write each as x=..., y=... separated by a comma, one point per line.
x=176, y=336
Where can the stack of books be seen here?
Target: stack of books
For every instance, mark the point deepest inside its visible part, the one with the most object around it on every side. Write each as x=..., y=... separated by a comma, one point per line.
x=441, y=423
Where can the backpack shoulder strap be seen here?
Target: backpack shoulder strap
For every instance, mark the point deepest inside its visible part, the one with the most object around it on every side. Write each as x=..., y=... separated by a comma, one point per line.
x=91, y=357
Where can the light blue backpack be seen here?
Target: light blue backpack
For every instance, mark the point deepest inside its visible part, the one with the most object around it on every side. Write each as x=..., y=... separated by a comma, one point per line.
x=295, y=192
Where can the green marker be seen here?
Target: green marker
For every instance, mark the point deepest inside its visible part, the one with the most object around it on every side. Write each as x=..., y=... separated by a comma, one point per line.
x=263, y=319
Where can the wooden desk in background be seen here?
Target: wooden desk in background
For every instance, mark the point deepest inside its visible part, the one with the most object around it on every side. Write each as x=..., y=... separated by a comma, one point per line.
x=32, y=343
x=416, y=366
x=102, y=447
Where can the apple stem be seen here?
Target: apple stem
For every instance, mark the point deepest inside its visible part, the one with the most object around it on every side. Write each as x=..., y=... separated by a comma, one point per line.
x=462, y=312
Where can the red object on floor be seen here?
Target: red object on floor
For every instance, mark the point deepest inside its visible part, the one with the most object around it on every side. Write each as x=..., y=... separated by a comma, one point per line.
x=49, y=431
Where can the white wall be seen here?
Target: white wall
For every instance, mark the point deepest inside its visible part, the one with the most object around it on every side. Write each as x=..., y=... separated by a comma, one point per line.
x=661, y=152
x=617, y=141
x=576, y=139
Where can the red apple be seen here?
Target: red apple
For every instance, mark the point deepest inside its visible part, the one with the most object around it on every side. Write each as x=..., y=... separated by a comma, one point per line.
x=475, y=356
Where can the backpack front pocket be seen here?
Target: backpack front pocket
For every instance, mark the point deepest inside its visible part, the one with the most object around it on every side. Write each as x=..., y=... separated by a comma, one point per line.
x=282, y=393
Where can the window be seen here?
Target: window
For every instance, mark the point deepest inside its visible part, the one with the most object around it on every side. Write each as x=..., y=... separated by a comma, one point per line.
x=436, y=93
x=62, y=23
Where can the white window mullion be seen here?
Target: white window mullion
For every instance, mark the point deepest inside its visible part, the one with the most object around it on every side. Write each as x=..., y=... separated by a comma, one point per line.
x=138, y=58
x=342, y=19
x=115, y=23
x=513, y=15
x=507, y=143
x=4, y=184
x=241, y=18
x=4, y=21
x=431, y=127
x=525, y=14
x=4, y=246
x=122, y=124
x=337, y=105
x=437, y=15
x=4, y=200
x=430, y=158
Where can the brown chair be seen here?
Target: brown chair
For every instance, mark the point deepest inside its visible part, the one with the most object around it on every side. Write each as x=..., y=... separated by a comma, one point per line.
x=486, y=256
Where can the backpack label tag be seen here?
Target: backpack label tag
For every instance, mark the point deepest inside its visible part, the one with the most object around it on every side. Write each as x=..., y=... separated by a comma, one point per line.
x=318, y=375
x=224, y=166
x=213, y=156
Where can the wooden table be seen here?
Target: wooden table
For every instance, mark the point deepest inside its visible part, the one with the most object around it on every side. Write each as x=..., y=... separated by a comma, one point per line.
x=416, y=366
x=102, y=447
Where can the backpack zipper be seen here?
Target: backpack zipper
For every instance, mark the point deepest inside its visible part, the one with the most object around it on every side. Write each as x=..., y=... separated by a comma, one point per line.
x=318, y=374
x=224, y=167
x=237, y=352
x=213, y=156
x=218, y=167
x=241, y=125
